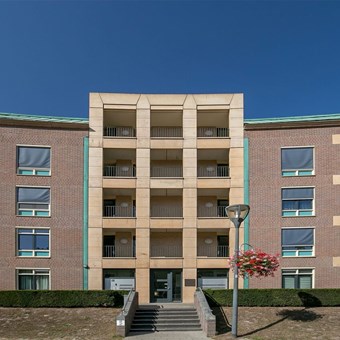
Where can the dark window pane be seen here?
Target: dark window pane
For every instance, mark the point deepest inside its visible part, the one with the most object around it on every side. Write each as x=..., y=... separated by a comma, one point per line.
x=42, y=242
x=25, y=242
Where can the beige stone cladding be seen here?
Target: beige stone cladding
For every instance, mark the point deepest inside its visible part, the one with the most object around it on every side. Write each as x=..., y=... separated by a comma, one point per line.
x=65, y=223
x=187, y=151
x=266, y=182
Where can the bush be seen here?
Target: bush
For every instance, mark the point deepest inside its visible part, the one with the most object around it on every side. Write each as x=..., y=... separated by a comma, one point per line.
x=275, y=297
x=62, y=298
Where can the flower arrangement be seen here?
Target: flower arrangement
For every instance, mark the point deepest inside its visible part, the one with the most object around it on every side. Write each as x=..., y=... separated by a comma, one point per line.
x=255, y=263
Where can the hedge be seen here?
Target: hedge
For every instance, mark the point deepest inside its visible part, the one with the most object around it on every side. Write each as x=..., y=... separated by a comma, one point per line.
x=275, y=297
x=62, y=298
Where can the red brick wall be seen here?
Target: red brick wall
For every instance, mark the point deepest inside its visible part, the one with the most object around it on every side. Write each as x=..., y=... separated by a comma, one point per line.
x=265, y=183
x=65, y=223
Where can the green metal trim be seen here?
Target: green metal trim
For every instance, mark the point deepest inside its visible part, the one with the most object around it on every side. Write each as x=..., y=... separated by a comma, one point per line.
x=85, y=213
x=333, y=116
x=246, y=199
x=37, y=118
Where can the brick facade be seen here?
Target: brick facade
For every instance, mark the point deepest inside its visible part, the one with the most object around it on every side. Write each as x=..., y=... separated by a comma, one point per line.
x=66, y=192
x=265, y=183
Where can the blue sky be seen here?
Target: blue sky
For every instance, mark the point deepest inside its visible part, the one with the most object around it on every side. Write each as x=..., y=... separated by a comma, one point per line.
x=283, y=55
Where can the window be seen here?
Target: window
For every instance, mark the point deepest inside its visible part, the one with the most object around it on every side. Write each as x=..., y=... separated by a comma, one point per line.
x=298, y=242
x=297, y=161
x=33, y=201
x=297, y=278
x=33, y=160
x=33, y=279
x=297, y=202
x=33, y=242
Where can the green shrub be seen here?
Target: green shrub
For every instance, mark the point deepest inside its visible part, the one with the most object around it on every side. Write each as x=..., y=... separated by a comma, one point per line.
x=275, y=297
x=62, y=298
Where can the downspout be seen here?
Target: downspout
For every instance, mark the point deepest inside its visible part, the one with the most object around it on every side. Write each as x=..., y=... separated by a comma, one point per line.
x=85, y=213
x=246, y=200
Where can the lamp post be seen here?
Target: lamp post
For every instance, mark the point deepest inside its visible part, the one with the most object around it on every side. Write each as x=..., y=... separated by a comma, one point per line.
x=237, y=214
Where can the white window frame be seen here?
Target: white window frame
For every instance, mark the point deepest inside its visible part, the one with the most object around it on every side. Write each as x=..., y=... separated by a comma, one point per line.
x=35, y=272
x=34, y=170
x=297, y=251
x=298, y=172
x=34, y=212
x=299, y=212
x=297, y=273
x=34, y=251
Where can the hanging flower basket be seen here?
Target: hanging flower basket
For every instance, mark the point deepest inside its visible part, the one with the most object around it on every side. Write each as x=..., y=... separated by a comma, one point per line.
x=255, y=263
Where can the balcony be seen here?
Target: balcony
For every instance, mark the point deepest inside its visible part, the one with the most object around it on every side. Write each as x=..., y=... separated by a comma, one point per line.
x=167, y=172
x=119, y=171
x=213, y=251
x=213, y=171
x=120, y=132
x=119, y=211
x=212, y=211
x=212, y=132
x=113, y=251
x=166, y=251
x=166, y=211
x=166, y=132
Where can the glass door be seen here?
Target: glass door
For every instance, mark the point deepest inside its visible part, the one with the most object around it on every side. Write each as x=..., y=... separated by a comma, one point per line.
x=161, y=286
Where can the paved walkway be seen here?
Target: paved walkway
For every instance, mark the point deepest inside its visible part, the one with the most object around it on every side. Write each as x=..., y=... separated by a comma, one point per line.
x=168, y=336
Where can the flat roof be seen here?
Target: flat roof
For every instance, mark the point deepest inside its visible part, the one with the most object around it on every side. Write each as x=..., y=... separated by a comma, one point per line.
x=292, y=119
x=47, y=119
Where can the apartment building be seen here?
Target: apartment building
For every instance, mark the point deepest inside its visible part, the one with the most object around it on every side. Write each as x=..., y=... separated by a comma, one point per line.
x=41, y=199
x=294, y=193
x=162, y=169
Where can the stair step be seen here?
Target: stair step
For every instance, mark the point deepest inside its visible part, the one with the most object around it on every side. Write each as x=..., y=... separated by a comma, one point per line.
x=168, y=322
x=165, y=329
x=173, y=319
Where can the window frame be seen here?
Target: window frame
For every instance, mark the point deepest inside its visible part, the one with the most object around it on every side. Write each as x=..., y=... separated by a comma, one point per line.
x=34, y=211
x=298, y=212
x=35, y=273
x=298, y=172
x=297, y=250
x=297, y=274
x=34, y=170
x=34, y=251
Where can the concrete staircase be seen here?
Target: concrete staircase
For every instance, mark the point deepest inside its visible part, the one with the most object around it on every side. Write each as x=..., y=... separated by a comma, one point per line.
x=165, y=317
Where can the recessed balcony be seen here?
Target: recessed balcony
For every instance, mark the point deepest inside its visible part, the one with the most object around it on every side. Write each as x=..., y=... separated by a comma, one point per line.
x=211, y=203
x=166, y=244
x=166, y=203
x=219, y=128
x=119, y=124
x=166, y=124
x=119, y=203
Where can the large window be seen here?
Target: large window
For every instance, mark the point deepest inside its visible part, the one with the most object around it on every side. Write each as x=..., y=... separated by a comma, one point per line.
x=297, y=201
x=297, y=161
x=32, y=160
x=33, y=201
x=298, y=242
x=33, y=279
x=33, y=242
x=297, y=278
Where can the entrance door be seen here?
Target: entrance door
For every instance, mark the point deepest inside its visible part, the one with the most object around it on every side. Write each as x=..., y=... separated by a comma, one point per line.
x=162, y=286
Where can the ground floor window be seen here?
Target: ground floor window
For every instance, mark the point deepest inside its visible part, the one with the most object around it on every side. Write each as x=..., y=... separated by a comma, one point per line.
x=212, y=278
x=33, y=279
x=119, y=279
x=297, y=278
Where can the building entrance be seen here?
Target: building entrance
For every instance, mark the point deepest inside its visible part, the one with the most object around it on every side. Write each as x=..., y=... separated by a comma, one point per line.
x=166, y=285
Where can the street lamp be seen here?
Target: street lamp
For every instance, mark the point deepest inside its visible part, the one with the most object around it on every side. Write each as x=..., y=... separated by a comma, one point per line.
x=237, y=214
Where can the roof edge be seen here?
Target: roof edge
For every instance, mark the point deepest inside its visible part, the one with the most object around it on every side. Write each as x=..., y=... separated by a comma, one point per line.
x=292, y=119
x=39, y=118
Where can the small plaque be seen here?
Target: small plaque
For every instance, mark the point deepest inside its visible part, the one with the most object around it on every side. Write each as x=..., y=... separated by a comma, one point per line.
x=120, y=322
x=190, y=282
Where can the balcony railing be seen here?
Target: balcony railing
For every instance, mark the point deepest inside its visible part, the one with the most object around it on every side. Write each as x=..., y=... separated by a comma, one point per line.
x=171, y=212
x=166, y=251
x=212, y=132
x=119, y=171
x=213, y=251
x=118, y=211
x=157, y=171
x=127, y=132
x=213, y=171
x=118, y=251
x=166, y=132
x=218, y=211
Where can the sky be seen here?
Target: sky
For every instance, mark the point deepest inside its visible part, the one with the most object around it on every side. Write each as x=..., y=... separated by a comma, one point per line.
x=283, y=55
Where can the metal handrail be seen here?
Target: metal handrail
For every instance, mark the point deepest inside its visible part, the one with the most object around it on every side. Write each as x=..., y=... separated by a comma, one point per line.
x=212, y=132
x=166, y=132
x=119, y=171
x=166, y=211
x=117, y=211
x=213, y=171
x=158, y=171
x=119, y=131
x=213, y=211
